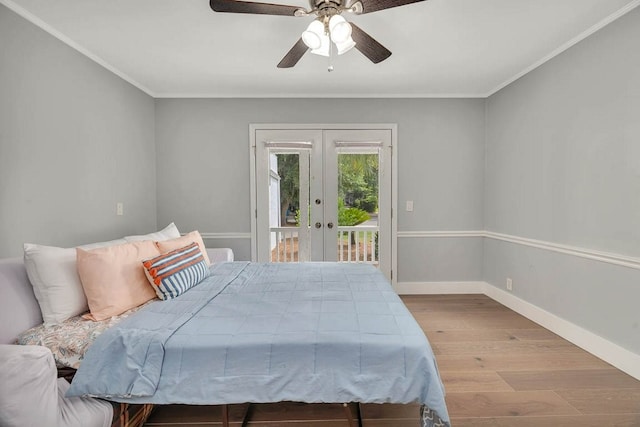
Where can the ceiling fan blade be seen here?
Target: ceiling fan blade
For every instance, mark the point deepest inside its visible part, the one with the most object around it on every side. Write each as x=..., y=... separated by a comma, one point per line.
x=237, y=6
x=293, y=56
x=368, y=45
x=369, y=6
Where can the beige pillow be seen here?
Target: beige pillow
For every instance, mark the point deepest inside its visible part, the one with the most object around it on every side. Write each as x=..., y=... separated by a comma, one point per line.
x=113, y=278
x=173, y=244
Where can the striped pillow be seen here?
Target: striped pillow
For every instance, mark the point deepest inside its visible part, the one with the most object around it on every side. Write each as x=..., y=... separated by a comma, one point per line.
x=173, y=273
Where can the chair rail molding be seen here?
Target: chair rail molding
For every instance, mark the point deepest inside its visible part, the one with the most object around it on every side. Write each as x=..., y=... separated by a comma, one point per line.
x=591, y=254
x=225, y=235
x=594, y=255
x=431, y=234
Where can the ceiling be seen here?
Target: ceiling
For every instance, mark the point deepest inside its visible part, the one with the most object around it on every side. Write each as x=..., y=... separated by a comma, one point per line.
x=441, y=48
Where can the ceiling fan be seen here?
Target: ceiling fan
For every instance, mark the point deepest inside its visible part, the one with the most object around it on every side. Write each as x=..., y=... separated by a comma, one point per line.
x=328, y=29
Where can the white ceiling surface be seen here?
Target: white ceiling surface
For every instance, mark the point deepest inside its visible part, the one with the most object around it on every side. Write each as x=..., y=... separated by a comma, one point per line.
x=441, y=48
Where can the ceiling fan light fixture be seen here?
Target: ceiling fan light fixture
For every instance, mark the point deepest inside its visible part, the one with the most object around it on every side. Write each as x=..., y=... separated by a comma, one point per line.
x=313, y=35
x=340, y=29
x=345, y=46
x=325, y=46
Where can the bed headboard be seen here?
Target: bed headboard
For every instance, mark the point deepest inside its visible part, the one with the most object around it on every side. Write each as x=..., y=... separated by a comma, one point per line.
x=19, y=309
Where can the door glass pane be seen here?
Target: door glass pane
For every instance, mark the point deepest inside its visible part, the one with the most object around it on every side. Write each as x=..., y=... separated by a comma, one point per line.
x=358, y=193
x=288, y=228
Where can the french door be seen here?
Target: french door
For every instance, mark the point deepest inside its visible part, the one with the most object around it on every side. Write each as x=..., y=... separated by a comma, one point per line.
x=322, y=195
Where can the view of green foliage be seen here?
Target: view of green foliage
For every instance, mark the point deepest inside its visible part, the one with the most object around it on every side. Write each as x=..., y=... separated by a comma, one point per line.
x=289, y=171
x=358, y=181
x=357, y=187
x=350, y=216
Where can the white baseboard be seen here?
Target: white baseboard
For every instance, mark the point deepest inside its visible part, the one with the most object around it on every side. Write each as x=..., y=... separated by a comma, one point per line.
x=439, y=288
x=611, y=353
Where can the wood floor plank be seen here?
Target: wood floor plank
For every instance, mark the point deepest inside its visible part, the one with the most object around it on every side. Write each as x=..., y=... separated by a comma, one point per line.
x=434, y=325
x=471, y=381
x=432, y=303
x=603, y=401
x=536, y=334
x=516, y=362
x=435, y=322
x=532, y=348
x=468, y=335
x=569, y=379
x=503, y=404
x=629, y=420
x=498, y=320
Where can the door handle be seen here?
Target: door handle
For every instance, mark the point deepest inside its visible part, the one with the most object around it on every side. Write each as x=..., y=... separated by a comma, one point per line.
x=330, y=225
x=318, y=225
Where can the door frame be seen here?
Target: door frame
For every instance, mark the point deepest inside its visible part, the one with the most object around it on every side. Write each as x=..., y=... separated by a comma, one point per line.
x=393, y=127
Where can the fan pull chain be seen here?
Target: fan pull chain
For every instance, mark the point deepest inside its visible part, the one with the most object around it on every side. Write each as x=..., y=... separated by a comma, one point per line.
x=330, y=66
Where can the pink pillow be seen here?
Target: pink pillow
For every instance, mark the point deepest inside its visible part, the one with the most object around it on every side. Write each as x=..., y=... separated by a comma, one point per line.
x=113, y=278
x=173, y=244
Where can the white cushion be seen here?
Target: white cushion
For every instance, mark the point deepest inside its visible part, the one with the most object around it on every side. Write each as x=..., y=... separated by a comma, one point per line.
x=220, y=255
x=30, y=393
x=53, y=274
x=169, y=232
x=56, y=284
x=80, y=411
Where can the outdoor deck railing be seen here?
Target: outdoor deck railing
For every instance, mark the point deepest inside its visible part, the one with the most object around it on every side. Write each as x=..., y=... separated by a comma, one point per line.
x=284, y=244
x=355, y=244
x=358, y=244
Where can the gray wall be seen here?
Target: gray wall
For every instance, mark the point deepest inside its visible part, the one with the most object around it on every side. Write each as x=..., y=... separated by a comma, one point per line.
x=563, y=166
x=203, y=170
x=74, y=140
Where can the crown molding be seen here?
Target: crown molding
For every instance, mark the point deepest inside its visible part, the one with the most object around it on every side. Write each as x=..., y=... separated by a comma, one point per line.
x=72, y=44
x=320, y=96
x=598, y=26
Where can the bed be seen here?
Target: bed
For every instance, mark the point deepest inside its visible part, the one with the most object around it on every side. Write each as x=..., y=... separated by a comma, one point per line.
x=261, y=333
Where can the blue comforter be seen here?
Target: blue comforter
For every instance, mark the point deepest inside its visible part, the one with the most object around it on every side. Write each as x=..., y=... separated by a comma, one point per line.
x=250, y=332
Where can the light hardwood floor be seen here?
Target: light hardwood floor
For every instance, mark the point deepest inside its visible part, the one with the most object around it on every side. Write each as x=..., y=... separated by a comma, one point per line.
x=499, y=370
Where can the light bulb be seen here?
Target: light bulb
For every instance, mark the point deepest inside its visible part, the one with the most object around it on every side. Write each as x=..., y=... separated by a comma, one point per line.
x=345, y=46
x=324, y=47
x=340, y=29
x=312, y=36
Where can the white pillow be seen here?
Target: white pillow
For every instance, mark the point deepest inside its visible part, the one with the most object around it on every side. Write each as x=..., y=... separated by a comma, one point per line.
x=28, y=395
x=53, y=274
x=32, y=395
x=56, y=284
x=169, y=232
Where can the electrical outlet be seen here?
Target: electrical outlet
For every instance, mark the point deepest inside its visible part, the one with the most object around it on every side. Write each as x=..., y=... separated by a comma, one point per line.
x=119, y=208
x=509, y=284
